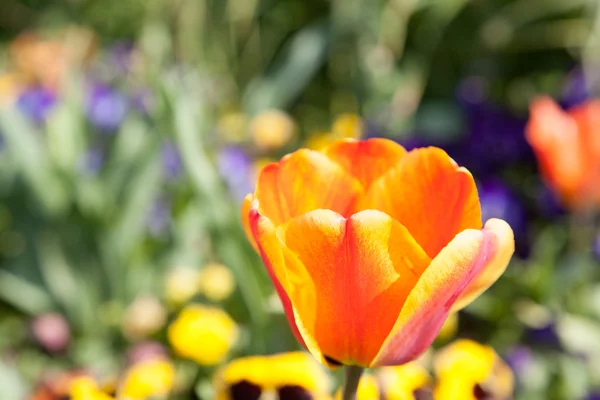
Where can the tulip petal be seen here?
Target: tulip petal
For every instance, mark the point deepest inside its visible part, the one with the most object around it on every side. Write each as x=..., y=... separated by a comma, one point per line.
x=428, y=194
x=304, y=181
x=246, y=219
x=264, y=235
x=502, y=243
x=364, y=268
x=554, y=136
x=366, y=160
x=434, y=295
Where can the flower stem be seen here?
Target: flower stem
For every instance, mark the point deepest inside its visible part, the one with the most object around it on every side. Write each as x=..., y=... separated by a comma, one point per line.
x=353, y=374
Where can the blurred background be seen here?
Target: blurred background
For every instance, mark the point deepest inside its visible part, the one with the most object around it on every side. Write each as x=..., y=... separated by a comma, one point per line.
x=131, y=130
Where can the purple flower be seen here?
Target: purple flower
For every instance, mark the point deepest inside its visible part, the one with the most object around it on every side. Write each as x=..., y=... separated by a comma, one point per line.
x=171, y=160
x=159, y=217
x=495, y=137
x=36, y=103
x=120, y=55
x=547, y=203
x=596, y=247
x=576, y=89
x=92, y=161
x=235, y=166
x=519, y=359
x=545, y=336
x=106, y=108
x=143, y=101
x=499, y=201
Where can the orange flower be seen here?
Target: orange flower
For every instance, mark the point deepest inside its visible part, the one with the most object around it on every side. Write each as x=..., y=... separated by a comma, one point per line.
x=567, y=145
x=370, y=247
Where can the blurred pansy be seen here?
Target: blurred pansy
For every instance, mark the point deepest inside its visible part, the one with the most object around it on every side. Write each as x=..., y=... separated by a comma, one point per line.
x=292, y=376
x=400, y=230
x=567, y=146
x=547, y=203
x=51, y=331
x=203, y=334
x=55, y=386
x=171, y=160
x=235, y=167
x=494, y=138
x=520, y=359
x=181, y=284
x=147, y=379
x=367, y=389
x=499, y=201
x=403, y=382
x=106, y=107
x=36, y=103
x=216, y=282
x=145, y=316
x=271, y=130
x=85, y=388
x=468, y=370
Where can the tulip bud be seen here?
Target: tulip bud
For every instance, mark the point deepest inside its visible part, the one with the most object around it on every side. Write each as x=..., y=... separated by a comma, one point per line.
x=216, y=282
x=145, y=316
x=181, y=284
x=51, y=331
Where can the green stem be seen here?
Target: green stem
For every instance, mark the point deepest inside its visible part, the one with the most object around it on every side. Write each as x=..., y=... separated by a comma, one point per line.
x=353, y=374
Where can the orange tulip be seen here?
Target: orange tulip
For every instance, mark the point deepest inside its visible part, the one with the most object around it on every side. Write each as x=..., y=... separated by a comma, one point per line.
x=567, y=146
x=371, y=247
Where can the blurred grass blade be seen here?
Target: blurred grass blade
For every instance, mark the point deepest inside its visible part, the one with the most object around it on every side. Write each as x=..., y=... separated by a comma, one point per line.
x=30, y=154
x=291, y=72
x=216, y=205
x=12, y=386
x=23, y=295
x=58, y=275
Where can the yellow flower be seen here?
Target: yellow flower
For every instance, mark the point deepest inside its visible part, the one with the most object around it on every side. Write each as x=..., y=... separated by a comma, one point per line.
x=85, y=388
x=465, y=368
x=181, y=284
x=148, y=378
x=202, y=333
x=400, y=383
x=290, y=372
x=216, y=282
x=449, y=328
x=348, y=126
x=367, y=389
x=272, y=129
